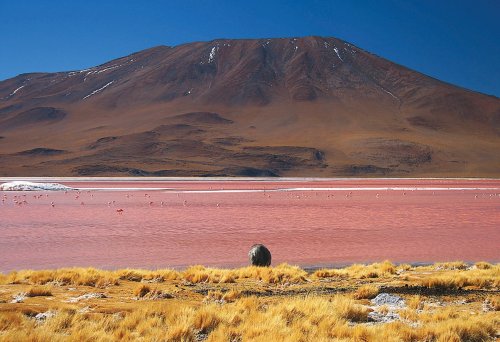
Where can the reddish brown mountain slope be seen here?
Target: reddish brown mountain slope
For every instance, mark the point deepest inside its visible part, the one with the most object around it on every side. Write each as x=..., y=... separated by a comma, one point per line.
x=289, y=107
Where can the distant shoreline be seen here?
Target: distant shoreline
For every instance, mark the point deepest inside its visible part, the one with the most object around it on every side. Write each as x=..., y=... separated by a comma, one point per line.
x=249, y=179
x=308, y=268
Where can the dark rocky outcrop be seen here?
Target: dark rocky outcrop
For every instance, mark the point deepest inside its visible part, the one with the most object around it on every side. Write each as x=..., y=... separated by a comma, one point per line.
x=207, y=118
x=41, y=151
x=34, y=116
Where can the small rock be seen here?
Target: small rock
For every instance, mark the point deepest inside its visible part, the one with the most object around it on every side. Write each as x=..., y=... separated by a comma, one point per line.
x=162, y=295
x=487, y=306
x=86, y=296
x=389, y=300
x=201, y=336
x=259, y=255
x=19, y=298
x=154, y=280
x=118, y=316
x=380, y=317
x=42, y=316
x=84, y=310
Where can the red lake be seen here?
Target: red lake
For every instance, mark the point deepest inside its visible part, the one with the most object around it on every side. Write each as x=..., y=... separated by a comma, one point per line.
x=157, y=223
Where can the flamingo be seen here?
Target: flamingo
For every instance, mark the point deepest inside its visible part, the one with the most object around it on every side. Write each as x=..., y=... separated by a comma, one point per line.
x=119, y=211
x=52, y=204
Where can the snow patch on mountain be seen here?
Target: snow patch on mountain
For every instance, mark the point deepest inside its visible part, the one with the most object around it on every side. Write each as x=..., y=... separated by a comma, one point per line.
x=15, y=91
x=212, y=54
x=337, y=52
x=98, y=90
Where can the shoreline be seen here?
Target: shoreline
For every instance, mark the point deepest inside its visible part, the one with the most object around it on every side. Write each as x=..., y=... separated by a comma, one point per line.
x=249, y=179
x=308, y=268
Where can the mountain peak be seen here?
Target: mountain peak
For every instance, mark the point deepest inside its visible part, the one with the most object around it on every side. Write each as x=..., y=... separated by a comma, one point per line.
x=297, y=106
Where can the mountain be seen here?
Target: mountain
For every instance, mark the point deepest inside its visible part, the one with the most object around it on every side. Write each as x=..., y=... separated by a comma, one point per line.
x=307, y=106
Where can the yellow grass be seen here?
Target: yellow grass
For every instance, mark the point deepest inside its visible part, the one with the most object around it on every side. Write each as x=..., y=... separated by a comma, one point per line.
x=479, y=277
x=455, y=265
x=415, y=302
x=282, y=303
x=483, y=265
x=494, y=302
x=272, y=275
x=359, y=271
x=280, y=274
x=39, y=291
x=142, y=290
x=366, y=292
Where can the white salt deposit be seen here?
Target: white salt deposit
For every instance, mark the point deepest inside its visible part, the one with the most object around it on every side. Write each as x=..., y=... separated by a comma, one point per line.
x=29, y=186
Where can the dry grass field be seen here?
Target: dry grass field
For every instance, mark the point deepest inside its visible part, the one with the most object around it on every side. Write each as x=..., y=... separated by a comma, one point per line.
x=378, y=302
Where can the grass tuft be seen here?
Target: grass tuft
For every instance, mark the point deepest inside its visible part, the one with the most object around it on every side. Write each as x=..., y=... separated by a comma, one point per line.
x=359, y=271
x=483, y=265
x=142, y=290
x=39, y=291
x=366, y=292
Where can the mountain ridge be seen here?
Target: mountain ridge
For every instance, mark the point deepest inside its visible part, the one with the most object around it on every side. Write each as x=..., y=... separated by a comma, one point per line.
x=289, y=101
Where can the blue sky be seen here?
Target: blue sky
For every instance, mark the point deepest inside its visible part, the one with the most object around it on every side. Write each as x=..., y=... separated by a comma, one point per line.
x=455, y=41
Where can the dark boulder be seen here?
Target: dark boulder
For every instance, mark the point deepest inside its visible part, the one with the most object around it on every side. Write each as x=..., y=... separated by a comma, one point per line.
x=259, y=255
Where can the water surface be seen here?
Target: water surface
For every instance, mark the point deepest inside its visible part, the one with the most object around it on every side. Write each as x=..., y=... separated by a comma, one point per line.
x=115, y=223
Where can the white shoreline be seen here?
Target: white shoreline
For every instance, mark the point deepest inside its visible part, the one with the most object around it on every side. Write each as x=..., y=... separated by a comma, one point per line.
x=206, y=191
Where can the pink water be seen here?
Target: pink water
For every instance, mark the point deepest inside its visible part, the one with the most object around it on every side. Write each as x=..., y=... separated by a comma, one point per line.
x=355, y=221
